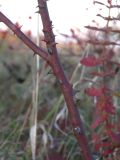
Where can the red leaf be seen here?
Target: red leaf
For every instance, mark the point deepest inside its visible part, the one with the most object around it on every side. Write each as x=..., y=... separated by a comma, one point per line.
x=96, y=141
x=107, y=152
x=94, y=91
x=109, y=108
x=90, y=61
x=97, y=122
x=115, y=136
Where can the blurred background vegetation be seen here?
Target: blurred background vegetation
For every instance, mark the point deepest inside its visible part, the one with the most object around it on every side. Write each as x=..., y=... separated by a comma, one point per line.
x=55, y=139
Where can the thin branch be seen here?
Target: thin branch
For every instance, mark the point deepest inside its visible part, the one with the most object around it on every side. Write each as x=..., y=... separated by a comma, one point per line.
x=114, y=6
x=102, y=43
x=108, y=18
x=103, y=29
x=24, y=38
x=109, y=7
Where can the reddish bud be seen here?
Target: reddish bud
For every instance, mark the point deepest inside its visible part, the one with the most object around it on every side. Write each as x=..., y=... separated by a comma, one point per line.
x=18, y=25
x=110, y=2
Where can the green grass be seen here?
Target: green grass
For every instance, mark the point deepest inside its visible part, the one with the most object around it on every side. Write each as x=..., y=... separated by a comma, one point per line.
x=16, y=108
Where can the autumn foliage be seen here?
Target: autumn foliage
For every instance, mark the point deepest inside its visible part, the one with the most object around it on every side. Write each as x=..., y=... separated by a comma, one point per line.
x=105, y=129
x=104, y=68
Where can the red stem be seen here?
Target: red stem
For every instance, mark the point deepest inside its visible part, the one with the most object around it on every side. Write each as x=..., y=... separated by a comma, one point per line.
x=66, y=87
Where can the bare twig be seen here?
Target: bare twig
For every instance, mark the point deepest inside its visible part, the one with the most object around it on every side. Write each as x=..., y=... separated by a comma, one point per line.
x=109, y=29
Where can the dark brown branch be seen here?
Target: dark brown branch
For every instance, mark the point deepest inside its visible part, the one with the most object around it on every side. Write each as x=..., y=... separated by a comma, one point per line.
x=114, y=6
x=97, y=2
x=66, y=87
x=23, y=37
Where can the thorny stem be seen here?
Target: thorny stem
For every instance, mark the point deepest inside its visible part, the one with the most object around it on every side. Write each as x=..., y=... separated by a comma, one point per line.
x=53, y=60
x=66, y=87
